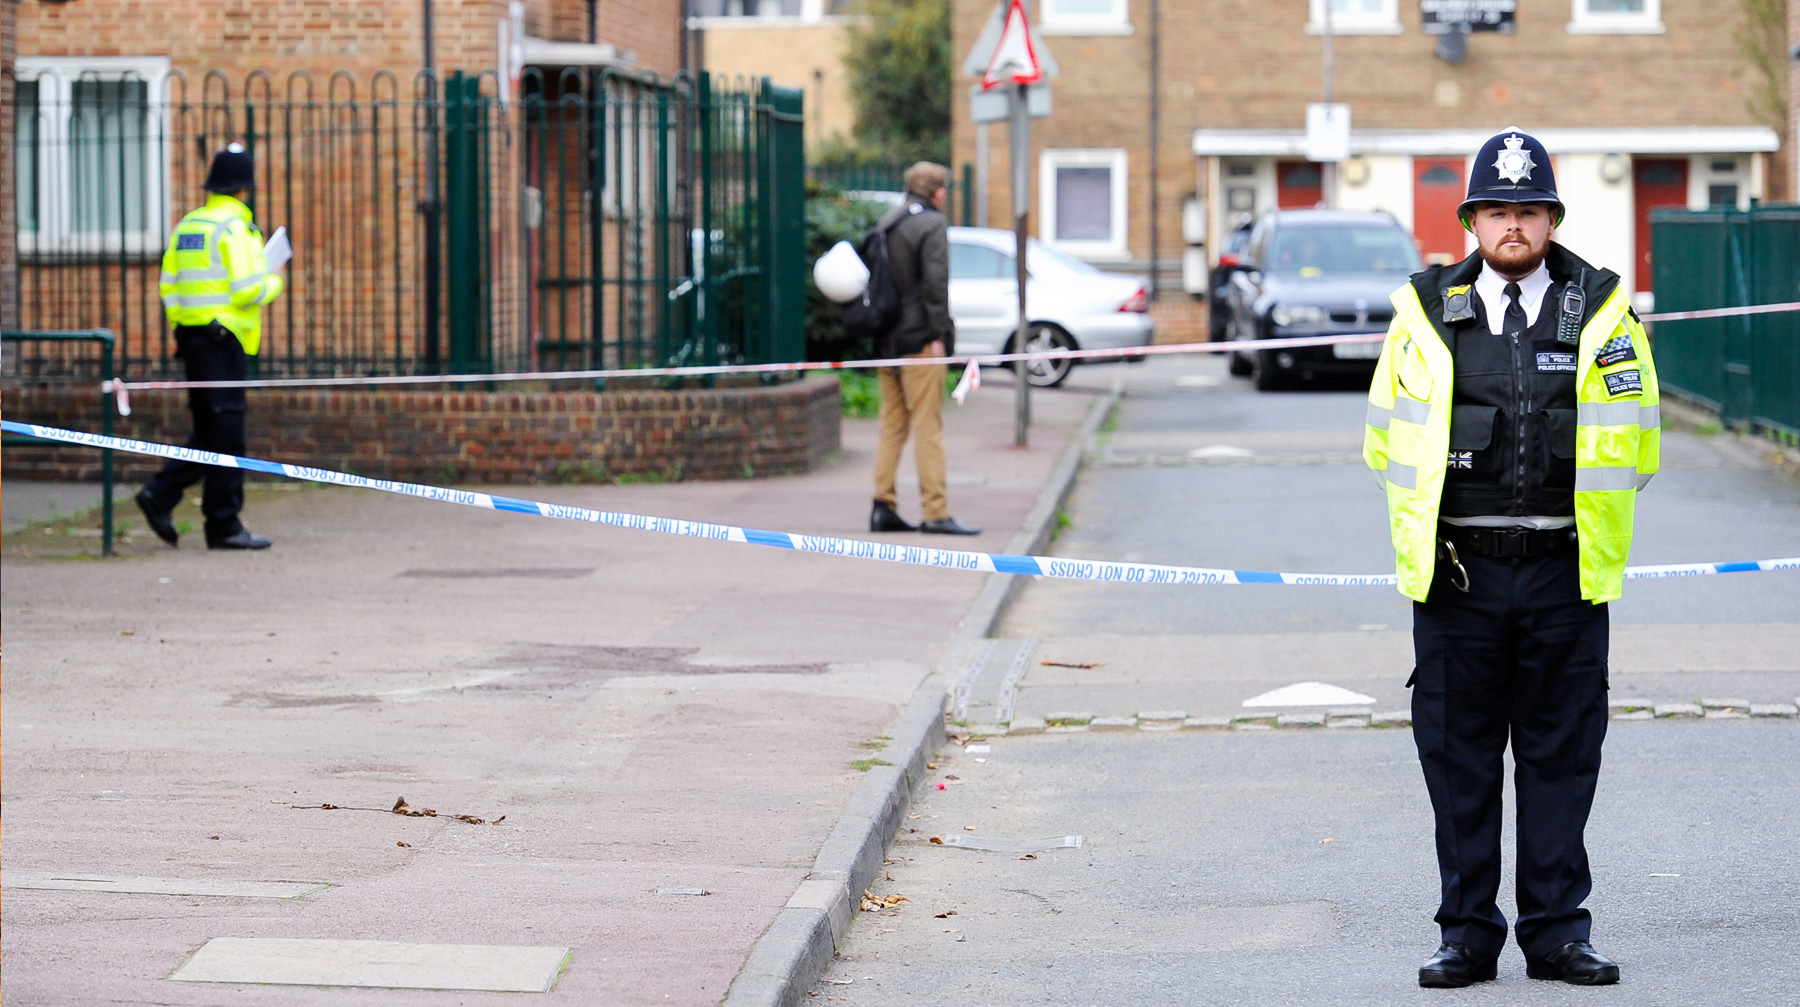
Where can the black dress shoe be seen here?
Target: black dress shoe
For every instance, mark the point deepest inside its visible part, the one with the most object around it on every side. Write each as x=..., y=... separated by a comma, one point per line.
x=1455, y=966
x=883, y=517
x=1575, y=962
x=947, y=526
x=157, y=518
x=239, y=539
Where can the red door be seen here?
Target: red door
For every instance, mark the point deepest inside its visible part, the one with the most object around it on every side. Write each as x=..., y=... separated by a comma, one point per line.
x=1299, y=185
x=1657, y=184
x=1438, y=190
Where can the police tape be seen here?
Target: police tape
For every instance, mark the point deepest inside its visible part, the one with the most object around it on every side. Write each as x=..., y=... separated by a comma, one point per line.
x=1747, y=309
x=122, y=388
x=979, y=562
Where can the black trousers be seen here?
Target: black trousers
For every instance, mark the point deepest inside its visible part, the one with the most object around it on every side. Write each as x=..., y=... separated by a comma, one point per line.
x=211, y=353
x=1519, y=658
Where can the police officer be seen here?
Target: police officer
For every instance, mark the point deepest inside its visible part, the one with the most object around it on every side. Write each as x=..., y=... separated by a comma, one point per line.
x=215, y=281
x=1512, y=419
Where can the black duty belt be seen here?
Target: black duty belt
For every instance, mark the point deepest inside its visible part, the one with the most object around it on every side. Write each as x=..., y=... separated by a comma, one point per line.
x=1508, y=543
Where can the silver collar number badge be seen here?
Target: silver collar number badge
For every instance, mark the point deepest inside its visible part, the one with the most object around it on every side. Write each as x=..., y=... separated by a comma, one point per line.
x=1514, y=162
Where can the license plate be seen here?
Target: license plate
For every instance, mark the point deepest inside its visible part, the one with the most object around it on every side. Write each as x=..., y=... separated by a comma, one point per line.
x=1356, y=351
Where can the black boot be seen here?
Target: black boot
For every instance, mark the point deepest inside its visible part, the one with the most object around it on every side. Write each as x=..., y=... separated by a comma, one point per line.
x=159, y=520
x=883, y=517
x=240, y=539
x=1455, y=966
x=948, y=526
x=1575, y=962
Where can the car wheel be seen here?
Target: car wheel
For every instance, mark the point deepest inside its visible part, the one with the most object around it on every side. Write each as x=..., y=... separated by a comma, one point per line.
x=1240, y=365
x=1265, y=375
x=1047, y=373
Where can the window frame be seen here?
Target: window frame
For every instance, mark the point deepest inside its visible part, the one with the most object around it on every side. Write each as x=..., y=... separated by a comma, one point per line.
x=1585, y=21
x=56, y=77
x=1117, y=247
x=1385, y=23
x=1117, y=21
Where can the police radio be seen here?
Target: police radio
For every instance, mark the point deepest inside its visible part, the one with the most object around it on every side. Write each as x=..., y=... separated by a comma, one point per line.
x=1574, y=305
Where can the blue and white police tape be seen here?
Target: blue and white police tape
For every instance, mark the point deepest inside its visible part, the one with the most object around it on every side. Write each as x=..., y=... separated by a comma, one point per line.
x=982, y=562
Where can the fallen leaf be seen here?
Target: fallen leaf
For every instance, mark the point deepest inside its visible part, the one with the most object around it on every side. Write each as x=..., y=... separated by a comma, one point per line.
x=497, y=821
x=471, y=819
x=875, y=903
x=839, y=982
x=952, y=776
x=935, y=841
x=968, y=828
x=212, y=837
x=1072, y=664
x=887, y=875
x=912, y=816
x=1327, y=839
x=127, y=632
x=402, y=808
x=404, y=843
x=946, y=914
x=328, y=807
x=1029, y=856
x=931, y=765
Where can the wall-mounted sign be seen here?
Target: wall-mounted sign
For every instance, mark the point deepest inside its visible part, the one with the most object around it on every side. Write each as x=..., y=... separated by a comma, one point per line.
x=1441, y=17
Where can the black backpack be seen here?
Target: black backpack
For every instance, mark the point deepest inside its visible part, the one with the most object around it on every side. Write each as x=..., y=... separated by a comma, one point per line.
x=874, y=315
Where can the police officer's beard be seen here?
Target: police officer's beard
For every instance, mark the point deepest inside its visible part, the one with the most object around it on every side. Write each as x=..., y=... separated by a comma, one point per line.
x=1516, y=260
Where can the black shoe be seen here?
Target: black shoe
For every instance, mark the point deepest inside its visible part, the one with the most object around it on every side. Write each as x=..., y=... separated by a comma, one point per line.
x=157, y=518
x=947, y=526
x=1575, y=962
x=1455, y=966
x=239, y=539
x=883, y=517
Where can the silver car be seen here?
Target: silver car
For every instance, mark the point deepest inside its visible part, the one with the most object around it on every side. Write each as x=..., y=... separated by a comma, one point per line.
x=1072, y=305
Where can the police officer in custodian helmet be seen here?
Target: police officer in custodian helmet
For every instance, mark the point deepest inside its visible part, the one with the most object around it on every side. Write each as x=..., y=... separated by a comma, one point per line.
x=1512, y=420
x=215, y=282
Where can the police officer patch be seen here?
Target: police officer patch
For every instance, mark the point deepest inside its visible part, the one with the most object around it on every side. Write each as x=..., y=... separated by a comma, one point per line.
x=1616, y=351
x=1623, y=381
x=1556, y=363
x=1459, y=303
x=190, y=243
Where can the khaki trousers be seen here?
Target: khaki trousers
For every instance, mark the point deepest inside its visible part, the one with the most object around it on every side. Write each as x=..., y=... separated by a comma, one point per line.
x=912, y=401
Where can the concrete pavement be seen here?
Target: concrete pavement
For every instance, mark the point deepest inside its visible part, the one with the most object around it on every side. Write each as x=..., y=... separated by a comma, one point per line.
x=648, y=713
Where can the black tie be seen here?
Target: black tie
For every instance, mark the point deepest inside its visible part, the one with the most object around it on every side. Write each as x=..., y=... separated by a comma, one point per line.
x=1515, y=313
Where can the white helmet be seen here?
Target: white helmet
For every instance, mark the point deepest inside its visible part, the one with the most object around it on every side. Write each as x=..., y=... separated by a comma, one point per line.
x=840, y=273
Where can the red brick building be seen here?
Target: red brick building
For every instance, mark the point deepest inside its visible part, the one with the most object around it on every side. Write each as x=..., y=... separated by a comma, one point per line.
x=1641, y=103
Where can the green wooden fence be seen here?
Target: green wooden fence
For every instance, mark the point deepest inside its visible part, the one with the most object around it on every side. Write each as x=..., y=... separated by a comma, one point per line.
x=1745, y=367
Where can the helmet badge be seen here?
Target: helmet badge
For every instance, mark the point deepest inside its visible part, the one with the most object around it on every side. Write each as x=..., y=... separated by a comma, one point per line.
x=1514, y=163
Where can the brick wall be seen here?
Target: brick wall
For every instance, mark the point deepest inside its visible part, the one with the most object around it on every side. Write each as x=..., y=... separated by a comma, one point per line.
x=1254, y=66
x=472, y=437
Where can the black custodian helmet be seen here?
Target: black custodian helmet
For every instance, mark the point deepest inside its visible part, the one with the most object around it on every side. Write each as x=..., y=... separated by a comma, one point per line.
x=1512, y=167
x=232, y=169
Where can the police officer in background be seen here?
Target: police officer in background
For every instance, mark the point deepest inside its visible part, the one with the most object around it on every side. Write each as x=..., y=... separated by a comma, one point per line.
x=215, y=281
x=1512, y=420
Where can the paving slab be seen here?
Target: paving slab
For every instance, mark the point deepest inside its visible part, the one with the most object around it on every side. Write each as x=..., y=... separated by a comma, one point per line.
x=386, y=964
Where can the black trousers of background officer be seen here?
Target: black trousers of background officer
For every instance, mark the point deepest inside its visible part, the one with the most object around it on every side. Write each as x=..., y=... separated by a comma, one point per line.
x=1518, y=657
x=211, y=353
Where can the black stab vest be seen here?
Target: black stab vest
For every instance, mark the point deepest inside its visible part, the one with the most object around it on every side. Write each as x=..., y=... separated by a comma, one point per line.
x=1512, y=420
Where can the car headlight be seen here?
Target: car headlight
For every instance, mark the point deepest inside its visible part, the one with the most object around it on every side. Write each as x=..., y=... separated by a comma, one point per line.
x=1297, y=314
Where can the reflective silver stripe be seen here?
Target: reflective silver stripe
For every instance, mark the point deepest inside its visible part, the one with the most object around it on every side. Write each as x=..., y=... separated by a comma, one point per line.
x=1606, y=477
x=1378, y=417
x=171, y=301
x=1649, y=417
x=1644, y=479
x=1404, y=476
x=253, y=280
x=1606, y=414
x=1380, y=477
x=169, y=279
x=197, y=300
x=187, y=275
x=1412, y=410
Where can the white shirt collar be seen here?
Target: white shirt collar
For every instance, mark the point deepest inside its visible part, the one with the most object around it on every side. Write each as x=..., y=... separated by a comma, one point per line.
x=1491, y=288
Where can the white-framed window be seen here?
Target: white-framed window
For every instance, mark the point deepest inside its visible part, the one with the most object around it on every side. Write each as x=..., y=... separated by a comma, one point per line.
x=1355, y=17
x=92, y=154
x=1616, y=17
x=1082, y=202
x=1084, y=17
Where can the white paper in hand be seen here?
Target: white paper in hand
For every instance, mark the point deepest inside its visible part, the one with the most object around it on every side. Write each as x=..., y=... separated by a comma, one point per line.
x=277, y=251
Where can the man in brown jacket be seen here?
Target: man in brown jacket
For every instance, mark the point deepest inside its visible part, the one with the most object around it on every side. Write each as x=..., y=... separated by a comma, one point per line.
x=912, y=398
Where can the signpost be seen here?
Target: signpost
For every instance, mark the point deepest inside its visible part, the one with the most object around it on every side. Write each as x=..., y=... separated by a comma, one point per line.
x=1014, y=70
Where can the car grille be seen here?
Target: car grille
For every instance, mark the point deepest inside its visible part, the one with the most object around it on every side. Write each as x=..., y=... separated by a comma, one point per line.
x=1374, y=317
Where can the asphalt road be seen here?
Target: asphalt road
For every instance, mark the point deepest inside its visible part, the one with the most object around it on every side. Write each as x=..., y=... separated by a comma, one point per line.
x=1295, y=865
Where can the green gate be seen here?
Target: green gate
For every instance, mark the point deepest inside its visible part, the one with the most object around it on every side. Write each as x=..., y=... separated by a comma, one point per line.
x=1747, y=367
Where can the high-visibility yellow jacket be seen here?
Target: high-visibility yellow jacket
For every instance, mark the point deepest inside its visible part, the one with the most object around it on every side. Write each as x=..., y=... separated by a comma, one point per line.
x=1617, y=437
x=214, y=269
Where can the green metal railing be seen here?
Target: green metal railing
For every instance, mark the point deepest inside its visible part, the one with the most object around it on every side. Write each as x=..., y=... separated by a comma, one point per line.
x=1745, y=367
x=574, y=220
x=67, y=346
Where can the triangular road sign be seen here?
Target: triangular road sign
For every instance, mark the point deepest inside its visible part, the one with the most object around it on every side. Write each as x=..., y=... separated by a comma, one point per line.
x=1015, y=58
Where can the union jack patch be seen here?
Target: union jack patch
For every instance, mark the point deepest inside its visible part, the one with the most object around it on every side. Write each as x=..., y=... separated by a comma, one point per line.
x=1462, y=459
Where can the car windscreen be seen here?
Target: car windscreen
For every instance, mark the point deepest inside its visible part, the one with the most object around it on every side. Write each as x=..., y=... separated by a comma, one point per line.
x=1042, y=255
x=1324, y=251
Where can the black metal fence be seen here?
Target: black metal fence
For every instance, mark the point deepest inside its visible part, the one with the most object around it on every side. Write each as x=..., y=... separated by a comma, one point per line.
x=574, y=220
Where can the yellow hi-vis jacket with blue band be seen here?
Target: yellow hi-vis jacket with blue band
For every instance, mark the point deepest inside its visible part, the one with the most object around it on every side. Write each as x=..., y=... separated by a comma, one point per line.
x=1617, y=438
x=214, y=269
